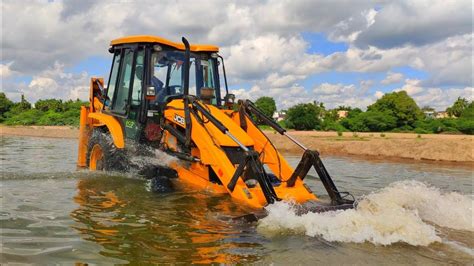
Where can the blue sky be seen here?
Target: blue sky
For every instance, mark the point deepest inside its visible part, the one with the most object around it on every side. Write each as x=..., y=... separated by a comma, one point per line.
x=336, y=52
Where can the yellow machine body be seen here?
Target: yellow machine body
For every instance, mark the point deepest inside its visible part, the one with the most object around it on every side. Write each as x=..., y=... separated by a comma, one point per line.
x=211, y=167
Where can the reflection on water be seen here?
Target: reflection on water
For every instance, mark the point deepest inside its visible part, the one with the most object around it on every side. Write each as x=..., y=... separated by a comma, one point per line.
x=50, y=212
x=133, y=224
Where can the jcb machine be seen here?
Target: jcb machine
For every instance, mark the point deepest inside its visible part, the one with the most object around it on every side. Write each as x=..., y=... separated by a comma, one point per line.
x=167, y=96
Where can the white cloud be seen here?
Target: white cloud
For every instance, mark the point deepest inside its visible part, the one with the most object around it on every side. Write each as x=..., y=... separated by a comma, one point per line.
x=412, y=87
x=449, y=62
x=333, y=95
x=378, y=94
x=440, y=99
x=365, y=85
x=5, y=70
x=260, y=40
x=275, y=80
x=56, y=83
x=284, y=97
x=392, y=77
x=435, y=97
x=416, y=23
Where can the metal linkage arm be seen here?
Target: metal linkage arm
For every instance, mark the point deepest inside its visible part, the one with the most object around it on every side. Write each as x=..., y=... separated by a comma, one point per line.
x=251, y=108
x=251, y=163
x=311, y=158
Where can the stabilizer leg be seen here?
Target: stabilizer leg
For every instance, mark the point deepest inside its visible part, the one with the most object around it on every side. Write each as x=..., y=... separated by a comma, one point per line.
x=311, y=158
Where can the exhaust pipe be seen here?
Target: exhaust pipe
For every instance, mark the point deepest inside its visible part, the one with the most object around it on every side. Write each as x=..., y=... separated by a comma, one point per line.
x=187, y=55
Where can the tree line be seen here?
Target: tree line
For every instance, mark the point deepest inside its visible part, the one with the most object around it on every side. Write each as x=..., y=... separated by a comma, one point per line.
x=394, y=112
x=49, y=112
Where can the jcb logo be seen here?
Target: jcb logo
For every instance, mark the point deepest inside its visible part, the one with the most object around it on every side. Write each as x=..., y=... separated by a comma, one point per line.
x=179, y=119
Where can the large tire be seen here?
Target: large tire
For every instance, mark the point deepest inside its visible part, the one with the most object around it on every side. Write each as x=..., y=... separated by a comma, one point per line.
x=102, y=153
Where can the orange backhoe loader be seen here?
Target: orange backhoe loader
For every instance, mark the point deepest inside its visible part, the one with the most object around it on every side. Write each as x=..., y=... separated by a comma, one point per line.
x=167, y=96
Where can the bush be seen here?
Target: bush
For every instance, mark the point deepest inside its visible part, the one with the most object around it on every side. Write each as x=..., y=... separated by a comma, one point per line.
x=466, y=126
x=304, y=116
x=332, y=126
x=370, y=121
x=49, y=104
x=5, y=104
x=50, y=112
x=25, y=118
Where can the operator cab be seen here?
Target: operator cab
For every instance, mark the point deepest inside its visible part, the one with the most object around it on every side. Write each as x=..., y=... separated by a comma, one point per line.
x=145, y=65
x=148, y=71
x=167, y=70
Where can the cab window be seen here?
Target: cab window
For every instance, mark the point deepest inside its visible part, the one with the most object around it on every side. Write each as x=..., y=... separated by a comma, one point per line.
x=167, y=74
x=138, y=79
x=120, y=102
x=113, y=77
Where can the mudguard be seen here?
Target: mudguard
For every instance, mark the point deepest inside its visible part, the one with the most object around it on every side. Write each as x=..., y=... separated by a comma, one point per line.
x=114, y=127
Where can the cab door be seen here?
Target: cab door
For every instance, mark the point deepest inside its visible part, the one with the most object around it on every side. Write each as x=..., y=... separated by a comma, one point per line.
x=125, y=89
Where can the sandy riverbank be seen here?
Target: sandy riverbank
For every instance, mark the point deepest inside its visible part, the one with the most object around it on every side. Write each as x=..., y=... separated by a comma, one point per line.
x=452, y=148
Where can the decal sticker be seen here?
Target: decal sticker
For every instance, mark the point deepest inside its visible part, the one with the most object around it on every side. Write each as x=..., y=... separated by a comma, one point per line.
x=179, y=119
x=129, y=123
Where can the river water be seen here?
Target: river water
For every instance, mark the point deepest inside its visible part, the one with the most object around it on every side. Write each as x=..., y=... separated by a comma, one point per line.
x=51, y=213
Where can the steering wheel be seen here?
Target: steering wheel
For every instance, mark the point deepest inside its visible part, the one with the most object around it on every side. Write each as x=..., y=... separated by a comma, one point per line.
x=174, y=89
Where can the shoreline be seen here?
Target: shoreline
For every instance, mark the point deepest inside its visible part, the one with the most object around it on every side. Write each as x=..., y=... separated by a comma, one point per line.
x=457, y=149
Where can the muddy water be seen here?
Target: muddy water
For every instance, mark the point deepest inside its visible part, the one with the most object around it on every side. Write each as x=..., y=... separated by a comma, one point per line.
x=51, y=213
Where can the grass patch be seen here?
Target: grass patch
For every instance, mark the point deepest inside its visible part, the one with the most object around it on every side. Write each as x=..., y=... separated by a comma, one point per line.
x=347, y=139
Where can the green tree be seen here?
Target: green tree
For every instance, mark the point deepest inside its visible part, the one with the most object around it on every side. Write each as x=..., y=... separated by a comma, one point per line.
x=343, y=108
x=465, y=123
x=399, y=105
x=468, y=112
x=23, y=105
x=49, y=105
x=427, y=108
x=370, y=121
x=5, y=104
x=353, y=112
x=331, y=115
x=458, y=107
x=266, y=105
x=304, y=116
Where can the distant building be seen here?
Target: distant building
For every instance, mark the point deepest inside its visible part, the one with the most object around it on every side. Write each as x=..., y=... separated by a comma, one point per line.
x=430, y=114
x=342, y=114
x=442, y=114
x=279, y=115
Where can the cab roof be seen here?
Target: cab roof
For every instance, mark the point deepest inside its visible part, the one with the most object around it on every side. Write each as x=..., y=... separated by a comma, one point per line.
x=160, y=40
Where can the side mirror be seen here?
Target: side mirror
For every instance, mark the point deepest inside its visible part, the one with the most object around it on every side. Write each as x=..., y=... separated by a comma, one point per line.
x=229, y=98
x=150, y=93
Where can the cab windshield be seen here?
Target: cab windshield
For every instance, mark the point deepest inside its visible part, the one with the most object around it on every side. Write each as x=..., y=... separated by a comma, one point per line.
x=167, y=75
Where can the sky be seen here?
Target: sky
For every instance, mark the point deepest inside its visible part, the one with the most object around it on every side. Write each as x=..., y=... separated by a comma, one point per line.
x=337, y=52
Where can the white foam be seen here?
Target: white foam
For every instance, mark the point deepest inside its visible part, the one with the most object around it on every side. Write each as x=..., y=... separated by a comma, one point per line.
x=397, y=213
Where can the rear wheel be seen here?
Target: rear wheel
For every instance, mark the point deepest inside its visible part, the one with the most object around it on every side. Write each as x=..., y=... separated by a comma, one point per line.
x=102, y=153
x=96, y=159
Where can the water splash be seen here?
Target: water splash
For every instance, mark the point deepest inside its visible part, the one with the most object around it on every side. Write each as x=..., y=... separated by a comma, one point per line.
x=140, y=156
x=156, y=157
x=404, y=211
